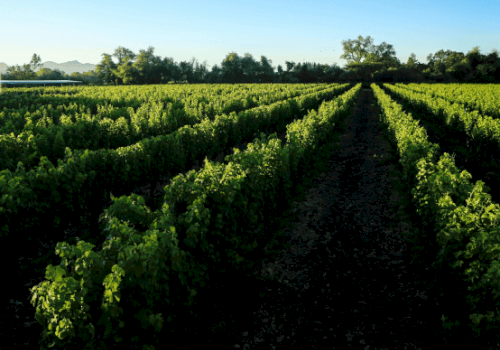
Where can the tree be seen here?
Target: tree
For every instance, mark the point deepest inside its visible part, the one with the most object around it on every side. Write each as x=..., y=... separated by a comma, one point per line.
x=383, y=50
x=266, y=71
x=332, y=73
x=200, y=72
x=493, y=59
x=124, y=55
x=250, y=68
x=155, y=70
x=167, y=70
x=384, y=54
x=365, y=59
x=474, y=57
x=20, y=73
x=289, y=66
x=454, y=58
x=279, y=76
x=290, y=75
x=459, y=70
x=105, y=69
x=319, y=72
x=304, y=74
x=484, y=68
x=26, y=72
x=187, y=69
x=49, y=74
x=446, y=65
x=144, y=64
x=412, y=61
x=176, y=72
x=357, y=49
x=384, y=62
x=89, y=77
x=125, y=72
x=231, y=68
x=348, y=76
x=44, y=73
x=36, y=62
x=364, y=70
x=215, y=76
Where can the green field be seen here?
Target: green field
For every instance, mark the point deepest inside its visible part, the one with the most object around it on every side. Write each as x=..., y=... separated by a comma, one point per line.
x=140, y=214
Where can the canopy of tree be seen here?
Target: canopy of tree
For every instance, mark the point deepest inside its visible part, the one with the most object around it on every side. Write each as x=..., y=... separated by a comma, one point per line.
x=365, y=62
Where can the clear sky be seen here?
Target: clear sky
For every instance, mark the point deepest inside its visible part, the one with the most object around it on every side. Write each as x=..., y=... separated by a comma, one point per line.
x=294, y=30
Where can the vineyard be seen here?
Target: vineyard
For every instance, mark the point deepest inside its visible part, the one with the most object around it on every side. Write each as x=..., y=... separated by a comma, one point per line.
x=102, y=259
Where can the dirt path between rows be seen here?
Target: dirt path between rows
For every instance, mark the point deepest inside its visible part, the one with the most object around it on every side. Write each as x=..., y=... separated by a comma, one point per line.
x=348, y=280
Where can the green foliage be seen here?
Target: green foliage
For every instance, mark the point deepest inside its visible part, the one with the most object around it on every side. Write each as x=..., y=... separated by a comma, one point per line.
x=59, y=145
x=360, y=54
x=49, y=74
x=36, y=62
x=459, y=220
x=357, y=49
x=20, y=73
x=130, y=209
x=125, y=72
x=142, y=248
x=105, y=69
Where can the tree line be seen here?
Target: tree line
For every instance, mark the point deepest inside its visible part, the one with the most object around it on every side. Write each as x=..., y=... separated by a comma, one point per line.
x=366, y=62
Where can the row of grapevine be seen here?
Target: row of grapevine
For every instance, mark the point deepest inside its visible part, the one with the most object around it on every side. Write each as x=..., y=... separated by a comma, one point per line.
x=481, y=97
x=124, y=96
x=166, y=257
x=460, y=224
x=115, y=106
x=480, y=134
x=44, y=136
x=84, y=179
x=69, y=100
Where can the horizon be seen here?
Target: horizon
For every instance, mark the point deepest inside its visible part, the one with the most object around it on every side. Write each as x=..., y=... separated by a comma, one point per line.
x=66, y=67
x=73, y=61
x=292, y=31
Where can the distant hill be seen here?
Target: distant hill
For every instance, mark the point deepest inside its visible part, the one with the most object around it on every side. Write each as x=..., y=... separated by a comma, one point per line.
x=67, y=67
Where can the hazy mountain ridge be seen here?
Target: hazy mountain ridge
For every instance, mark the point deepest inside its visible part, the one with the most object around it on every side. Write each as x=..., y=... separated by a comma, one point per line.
x=67, y=67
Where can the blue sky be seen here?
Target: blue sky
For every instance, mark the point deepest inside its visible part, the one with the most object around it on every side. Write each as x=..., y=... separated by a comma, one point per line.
x=294, y=30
